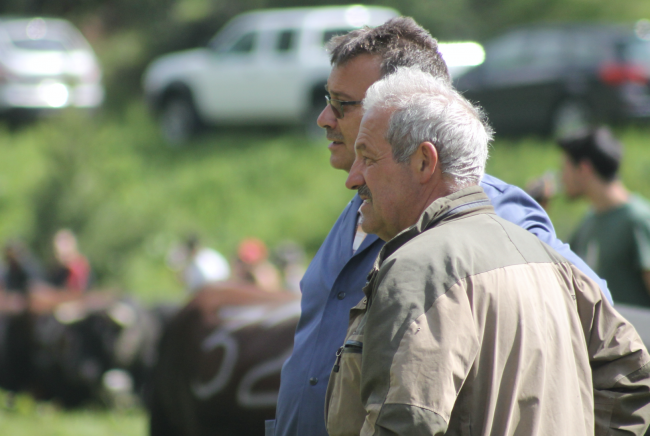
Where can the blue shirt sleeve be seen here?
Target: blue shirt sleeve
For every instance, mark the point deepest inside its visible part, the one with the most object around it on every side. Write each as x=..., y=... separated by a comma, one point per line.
x=513, y=204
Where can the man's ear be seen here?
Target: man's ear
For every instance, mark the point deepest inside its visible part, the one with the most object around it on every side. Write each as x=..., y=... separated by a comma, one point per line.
x=425, y=161
x=585, y=168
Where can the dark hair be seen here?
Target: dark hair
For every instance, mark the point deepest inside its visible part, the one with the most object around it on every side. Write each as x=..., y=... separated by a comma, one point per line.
x=400, y=42
x=599, y=147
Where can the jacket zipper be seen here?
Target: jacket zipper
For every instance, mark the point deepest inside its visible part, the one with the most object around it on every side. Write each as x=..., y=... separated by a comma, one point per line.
x=349, y=347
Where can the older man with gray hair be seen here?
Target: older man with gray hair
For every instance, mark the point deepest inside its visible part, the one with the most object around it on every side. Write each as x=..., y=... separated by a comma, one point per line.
x=470, y=325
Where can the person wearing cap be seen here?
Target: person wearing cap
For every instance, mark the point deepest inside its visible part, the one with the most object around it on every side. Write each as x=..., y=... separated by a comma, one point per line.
x=614, y=237
x=199, y=265
x=252, y=265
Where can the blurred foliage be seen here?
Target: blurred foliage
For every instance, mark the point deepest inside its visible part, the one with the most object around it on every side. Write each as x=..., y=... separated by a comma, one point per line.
x=129, y=197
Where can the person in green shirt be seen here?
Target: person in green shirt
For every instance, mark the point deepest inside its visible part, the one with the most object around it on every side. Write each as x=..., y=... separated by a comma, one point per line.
x=614, y=237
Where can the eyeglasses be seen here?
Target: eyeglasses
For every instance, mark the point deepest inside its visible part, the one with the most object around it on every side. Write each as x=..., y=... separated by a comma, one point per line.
x=337, y=106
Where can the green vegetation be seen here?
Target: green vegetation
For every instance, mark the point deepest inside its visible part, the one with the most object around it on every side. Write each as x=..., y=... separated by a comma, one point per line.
x=27, y=418
x=130, y=197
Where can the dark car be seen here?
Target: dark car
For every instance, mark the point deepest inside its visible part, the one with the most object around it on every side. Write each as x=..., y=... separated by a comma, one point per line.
x=550, y=79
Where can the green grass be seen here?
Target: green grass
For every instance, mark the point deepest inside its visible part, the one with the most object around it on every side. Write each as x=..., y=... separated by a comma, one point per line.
x=81, y=423
x=28, y=418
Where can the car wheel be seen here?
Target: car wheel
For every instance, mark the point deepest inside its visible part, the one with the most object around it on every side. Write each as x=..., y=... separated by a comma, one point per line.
x=569, y=117
x=178, y=120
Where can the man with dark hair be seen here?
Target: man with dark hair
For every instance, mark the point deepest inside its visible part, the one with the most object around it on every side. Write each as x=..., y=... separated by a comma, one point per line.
x=333, y=283
x=402, y=43
x=614, y=238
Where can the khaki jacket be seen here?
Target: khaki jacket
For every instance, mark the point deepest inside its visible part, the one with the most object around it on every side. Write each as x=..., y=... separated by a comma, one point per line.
x=472, y=326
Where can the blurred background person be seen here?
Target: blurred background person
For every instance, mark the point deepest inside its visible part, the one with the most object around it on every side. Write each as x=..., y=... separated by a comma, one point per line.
x=71, y=269
x=252, y=265
x=198, y=265
x=19, y=268
x=614, y=237
x=543, y=189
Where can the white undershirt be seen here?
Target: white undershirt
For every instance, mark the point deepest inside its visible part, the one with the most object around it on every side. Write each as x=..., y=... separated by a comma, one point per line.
x=359, y=236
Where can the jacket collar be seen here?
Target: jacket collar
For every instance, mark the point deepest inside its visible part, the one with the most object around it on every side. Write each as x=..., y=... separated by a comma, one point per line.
x=468, y=201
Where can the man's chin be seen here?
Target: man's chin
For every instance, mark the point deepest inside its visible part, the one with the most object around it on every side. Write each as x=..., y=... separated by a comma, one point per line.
x=366, y=221
x=340, y=160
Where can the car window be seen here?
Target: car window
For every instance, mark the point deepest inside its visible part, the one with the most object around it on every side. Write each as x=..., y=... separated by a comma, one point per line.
x=506, y=52
x=39, y=44
x=546, y=49
x=330, y=33
x=245, y=44
x=286, y=41
x=38, y=34
x=587, y=48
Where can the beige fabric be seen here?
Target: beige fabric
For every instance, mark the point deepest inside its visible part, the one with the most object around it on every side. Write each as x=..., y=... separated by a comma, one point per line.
x=346, y=411
x=506, y=338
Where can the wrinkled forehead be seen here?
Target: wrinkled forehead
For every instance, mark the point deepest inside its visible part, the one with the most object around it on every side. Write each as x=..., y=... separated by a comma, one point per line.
x=374, y=125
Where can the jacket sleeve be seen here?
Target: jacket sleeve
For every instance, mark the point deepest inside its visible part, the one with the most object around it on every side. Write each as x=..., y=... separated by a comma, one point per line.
x=420, y=359
x=513, y=204
x=619, y=361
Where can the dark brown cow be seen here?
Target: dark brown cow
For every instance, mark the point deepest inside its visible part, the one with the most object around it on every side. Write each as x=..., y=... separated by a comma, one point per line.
x=15, y=337
x=218, y=371
x=61, y=347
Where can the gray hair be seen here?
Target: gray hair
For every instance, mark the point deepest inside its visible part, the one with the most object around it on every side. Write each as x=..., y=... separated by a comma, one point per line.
x=426, y=108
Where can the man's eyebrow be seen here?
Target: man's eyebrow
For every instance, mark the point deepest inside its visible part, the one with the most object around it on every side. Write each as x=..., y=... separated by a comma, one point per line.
x=338, y=94
x=359, y=146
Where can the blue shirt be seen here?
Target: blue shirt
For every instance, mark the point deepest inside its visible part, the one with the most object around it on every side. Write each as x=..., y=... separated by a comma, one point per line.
x=333, y=284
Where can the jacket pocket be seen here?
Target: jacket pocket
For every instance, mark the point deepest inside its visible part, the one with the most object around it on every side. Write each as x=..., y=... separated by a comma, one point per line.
x=344, y=411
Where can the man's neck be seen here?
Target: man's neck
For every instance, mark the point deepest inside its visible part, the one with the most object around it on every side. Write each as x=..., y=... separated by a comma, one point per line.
x=607, y=195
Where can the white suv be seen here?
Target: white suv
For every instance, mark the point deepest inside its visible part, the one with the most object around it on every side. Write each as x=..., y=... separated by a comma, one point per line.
x=263, y=67
x=46, y=63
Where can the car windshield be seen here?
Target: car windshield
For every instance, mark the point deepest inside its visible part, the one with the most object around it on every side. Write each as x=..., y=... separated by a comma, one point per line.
x=42, y=35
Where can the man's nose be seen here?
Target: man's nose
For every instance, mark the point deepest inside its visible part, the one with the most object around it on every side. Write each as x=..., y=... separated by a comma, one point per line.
x=355, y=177
x=326, y=118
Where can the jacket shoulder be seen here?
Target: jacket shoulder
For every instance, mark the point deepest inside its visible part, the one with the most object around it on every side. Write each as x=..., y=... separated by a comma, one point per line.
x=468, y=246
